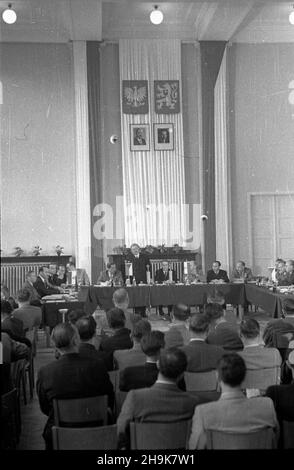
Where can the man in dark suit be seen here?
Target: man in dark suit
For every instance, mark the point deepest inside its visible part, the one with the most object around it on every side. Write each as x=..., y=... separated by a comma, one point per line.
x=10, y=324
x=221, y=332
x=31, y=278
x=30, y=315
x=41, y=285
x=140, y=263
x=200, y=355
x=164, y=275
x=217, y=275
x=121, y=338
x=145, y=375
x=139, y=137
x=86, y=326
x=283, y=396
x=163, y=402
x=70, y=376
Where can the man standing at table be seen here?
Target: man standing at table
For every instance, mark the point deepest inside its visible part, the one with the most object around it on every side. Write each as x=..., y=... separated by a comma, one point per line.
x=139, y=265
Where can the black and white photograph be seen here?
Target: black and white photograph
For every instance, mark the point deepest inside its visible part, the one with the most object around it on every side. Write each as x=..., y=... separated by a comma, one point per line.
x=147, y=232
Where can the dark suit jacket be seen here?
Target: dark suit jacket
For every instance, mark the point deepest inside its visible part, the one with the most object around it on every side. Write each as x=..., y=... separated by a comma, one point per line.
x=138, y=376
x=43, y=289
x=160, y=276
x=283, y=398
x=202, y=356
x=34, y=296
x=89, y=351
x=71, y=376
x=120, y=340
x=139, y=267
x=225, y=336
x=159, y=403
x=14, y=325
x=222, y=274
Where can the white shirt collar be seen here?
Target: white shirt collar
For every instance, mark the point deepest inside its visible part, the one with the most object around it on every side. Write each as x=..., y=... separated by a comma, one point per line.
x=197, y=339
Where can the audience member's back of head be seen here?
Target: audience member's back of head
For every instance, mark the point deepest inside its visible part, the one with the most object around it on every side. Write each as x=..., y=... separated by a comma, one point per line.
x=74, y=315
x=64, y=336
x=140, y=329
x=152, y=343
x=6, y=308
x=116, y=318
x=249, y=328
x=199, y=324
x=181, y=312
x=23, y=296
x=213, y=312
x=86, y=327
x=121, y=298
x=216, y=298
x=172, y=363
x=231, y=369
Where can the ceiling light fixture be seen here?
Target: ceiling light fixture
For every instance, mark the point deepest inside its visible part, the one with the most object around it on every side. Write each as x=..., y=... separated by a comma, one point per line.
x=9, y=16
x=156, y=16
x=291, y=16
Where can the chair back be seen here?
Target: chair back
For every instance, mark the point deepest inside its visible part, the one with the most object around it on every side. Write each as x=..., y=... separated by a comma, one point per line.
x=160, y=435
x=288, y=434
x=261, y=378
x=261, y=439
x=99, y=438
x=91, y=411
x=201, y=381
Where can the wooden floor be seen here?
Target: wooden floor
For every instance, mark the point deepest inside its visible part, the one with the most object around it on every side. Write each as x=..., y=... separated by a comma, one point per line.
x=33, y=420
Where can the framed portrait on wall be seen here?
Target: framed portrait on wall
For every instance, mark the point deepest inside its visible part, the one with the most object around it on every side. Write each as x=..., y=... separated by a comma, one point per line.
x=163, y=136
x=139, y=137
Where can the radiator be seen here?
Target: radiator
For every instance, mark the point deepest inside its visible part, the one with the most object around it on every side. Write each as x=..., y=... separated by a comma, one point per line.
x=175, y=264
x=14, y=275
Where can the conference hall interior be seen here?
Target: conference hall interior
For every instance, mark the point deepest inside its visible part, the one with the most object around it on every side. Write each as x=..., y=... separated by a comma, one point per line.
x=147, y=225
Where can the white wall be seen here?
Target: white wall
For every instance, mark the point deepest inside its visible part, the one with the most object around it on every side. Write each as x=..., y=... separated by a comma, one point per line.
x=38, y=147
x=262, y=128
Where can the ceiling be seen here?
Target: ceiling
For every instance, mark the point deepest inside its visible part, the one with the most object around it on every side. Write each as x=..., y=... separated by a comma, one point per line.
x=66, y=20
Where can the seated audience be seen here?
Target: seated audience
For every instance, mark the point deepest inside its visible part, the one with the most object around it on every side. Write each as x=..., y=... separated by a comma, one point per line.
x=143, y=375
x=82, y=278
x=290, y=272
x=275, y=270
x=200, y=355
x=163, y=402
x=31, y=278
x=281, y=274
x=5, y=295
x=233, y=411
x=255, y=355
x=74, y=315
x=283, y=395
x=86, y=326
x=12, y=351
x=111, y=275
x=281, y=324
x=135, y=356
x=8, y=322
x=42, y=286
x=30, y=315
x=120, y=338
x=120, y=299
x=242, y=272
x=70, y=376
x=217, y=275
x=162, y=276
x=221, y=332
x=178, y=334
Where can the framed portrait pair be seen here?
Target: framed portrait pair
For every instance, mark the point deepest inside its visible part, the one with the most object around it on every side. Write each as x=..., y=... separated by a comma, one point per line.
x=140, y=137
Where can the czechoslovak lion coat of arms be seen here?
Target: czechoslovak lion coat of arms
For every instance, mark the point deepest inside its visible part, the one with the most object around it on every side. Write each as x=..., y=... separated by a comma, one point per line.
x=167, y=96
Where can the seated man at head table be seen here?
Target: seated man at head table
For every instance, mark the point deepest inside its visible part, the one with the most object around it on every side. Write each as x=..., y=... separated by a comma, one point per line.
x=242, y=272
x=42, y=285
x=111, y=275
x=233, y=412
x=82, y=278
x=275, y=270
x=60, y=276
x=164, y=275
x=217, y=275
x=281, y=274
x=288, y=279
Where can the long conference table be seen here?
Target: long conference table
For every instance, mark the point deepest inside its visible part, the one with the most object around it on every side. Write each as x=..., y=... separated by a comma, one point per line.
x=91, y=297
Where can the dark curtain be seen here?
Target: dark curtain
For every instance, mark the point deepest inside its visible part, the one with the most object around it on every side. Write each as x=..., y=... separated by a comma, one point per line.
x=211, y=58
x=96, y=173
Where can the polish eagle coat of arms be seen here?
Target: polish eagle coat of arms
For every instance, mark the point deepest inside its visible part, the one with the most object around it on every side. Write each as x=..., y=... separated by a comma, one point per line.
x=135, y=97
